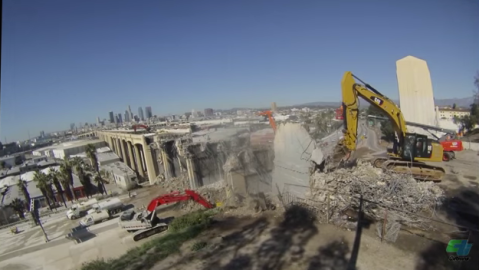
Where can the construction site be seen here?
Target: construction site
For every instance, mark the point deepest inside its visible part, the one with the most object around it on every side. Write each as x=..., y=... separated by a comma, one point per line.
x=276, y=198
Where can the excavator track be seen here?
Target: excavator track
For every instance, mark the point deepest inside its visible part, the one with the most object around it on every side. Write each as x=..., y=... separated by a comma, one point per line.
x=419, y=170
x=149, y=232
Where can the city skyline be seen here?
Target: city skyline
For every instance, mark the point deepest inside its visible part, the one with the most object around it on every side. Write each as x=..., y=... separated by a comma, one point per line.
x=56, y=66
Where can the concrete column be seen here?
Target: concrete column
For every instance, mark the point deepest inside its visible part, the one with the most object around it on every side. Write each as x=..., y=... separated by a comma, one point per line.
x=166, y=164
x=131, y=157
x=115, y=143
x=150, y=167
x=190, y=165
x=123, y=152
x=127, y=153
x=112, y=144
x=138, y=161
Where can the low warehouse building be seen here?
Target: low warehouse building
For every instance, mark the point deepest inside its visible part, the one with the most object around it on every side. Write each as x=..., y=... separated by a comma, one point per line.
x=122, y=175
x=68, y=149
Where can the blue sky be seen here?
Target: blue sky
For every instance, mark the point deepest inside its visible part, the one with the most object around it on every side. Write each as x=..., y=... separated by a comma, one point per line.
x=71, y=61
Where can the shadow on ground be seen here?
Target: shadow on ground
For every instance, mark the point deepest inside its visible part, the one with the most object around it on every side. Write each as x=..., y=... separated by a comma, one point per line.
x=261, y=245
x=332, y=256
x=463, y=208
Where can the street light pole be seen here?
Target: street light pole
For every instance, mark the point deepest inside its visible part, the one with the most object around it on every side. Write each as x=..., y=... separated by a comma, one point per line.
x=37, y=218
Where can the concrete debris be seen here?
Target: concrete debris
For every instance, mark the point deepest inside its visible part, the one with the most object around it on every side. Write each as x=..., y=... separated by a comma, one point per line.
x=244, y=160
x=214, y=193
x=395, y=191
x=174, y=184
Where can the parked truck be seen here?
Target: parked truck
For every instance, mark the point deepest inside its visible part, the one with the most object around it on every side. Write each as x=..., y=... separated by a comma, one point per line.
x=112, y=206
x=80, y=209
x=95, y=217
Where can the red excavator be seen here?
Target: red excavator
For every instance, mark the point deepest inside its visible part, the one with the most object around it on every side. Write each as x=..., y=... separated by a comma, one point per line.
x=269, y=114
x=146, y=223
x=135, y=127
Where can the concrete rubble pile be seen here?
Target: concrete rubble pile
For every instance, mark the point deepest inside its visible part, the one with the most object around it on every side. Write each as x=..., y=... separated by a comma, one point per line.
x=174, y=184
x=394, y=191
x=213, y=193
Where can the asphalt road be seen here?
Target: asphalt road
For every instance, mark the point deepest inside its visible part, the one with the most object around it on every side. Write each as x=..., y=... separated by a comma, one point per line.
x=96, y=229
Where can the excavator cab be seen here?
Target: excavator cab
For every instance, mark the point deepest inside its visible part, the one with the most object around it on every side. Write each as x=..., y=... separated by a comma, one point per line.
x=417, y=147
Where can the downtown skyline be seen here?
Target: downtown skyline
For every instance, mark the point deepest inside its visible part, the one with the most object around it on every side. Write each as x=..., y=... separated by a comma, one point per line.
x=59, y=69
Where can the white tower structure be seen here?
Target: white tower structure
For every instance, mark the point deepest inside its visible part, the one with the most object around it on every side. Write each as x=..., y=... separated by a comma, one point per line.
x=416, y=97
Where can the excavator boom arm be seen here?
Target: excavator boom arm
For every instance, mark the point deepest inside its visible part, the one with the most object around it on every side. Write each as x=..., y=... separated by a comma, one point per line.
x=176, y=197
x=269, y=114
x=351, y=91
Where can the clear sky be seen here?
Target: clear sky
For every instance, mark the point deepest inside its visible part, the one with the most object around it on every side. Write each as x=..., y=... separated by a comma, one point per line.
x=70, y=61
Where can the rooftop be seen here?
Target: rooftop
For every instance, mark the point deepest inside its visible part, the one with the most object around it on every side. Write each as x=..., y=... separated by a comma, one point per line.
x=106, y=156
x=220, y=134
x=14, y=192
x=448, y=109
x=119, y=167
x=78, y=143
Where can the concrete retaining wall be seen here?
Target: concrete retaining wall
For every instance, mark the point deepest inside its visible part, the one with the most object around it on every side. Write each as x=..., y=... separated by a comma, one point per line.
x=471, y=146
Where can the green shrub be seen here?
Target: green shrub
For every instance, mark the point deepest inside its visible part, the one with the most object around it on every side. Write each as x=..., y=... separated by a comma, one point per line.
x=200, y=218
x=198, y=246
x=98, y=264
x=147, y=255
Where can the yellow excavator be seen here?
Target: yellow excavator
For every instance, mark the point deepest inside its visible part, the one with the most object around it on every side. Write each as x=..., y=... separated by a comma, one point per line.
x=410, y=151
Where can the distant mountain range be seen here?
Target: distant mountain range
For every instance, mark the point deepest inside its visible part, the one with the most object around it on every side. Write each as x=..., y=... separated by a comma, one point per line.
x=460, y=102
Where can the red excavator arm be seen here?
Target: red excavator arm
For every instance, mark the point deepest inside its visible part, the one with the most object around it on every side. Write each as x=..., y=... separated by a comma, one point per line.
x=176, y=197
x=140, y=126
x=269, y=114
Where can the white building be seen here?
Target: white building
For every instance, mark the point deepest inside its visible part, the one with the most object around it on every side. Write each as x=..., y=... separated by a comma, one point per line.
x=45, y=151
x=123, y=175
x=69, y=149
x=449, y=113
x=8, y=161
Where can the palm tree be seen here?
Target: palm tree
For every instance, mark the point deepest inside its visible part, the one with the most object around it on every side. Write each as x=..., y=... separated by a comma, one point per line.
x=18, y=206
x=91, y=154
x=66, y=169
x=85, y=181
x=65, y=182
x=4, y=192
x=54, y=176
x=45, y=187
x=22, y=185
x=77, y=161
x=100, y=185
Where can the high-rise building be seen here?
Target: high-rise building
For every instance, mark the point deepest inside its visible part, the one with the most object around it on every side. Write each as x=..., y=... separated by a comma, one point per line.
x=148, y=112
x=112, y=117
x=120, y=120
x=209, y=112
x=127, y=116
x=140, y=114
x=98, y=120
x=273, y=107
x=416, y=97
x=131, y=114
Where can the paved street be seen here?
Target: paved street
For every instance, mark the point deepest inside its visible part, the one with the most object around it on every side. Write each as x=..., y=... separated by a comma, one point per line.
x=64, y=255
x=32, y=239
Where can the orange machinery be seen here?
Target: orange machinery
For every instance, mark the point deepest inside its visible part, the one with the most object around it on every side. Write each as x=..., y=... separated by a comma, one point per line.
x=269, y=114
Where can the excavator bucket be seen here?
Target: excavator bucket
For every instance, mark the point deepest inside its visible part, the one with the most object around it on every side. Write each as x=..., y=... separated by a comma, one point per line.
x=339, y=157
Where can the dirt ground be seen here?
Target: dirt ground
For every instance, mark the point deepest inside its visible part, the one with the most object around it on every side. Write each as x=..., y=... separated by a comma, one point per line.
x=285, y=240
x=277, y=240
x=290, y=241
